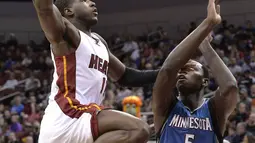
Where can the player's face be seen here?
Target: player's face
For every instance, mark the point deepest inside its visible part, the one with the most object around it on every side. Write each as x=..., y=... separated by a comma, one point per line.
x=190, y=77
x=86, y=11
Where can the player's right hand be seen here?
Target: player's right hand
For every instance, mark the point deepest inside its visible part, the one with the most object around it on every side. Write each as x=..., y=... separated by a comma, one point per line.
x=213, y=12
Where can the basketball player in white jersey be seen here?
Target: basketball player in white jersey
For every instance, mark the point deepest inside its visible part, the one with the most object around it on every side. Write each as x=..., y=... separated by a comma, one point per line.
x=82, y=62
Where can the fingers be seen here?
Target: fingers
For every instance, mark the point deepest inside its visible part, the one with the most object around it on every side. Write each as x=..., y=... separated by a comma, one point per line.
x=212, y=2
x=218, y=9
x=217, y=2
x=213, y=12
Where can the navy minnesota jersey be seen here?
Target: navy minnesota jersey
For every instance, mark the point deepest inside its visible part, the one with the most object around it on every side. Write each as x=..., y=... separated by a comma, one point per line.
x=184, y=126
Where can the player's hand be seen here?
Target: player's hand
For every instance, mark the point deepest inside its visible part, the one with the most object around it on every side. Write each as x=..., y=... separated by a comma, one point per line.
x=213, y=12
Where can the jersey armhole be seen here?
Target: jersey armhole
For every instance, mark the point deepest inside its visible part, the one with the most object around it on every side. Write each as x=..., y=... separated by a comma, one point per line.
x=214, y=122
x=158, y=134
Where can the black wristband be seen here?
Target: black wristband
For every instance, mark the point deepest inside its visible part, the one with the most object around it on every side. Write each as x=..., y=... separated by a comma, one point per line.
x=137, y=78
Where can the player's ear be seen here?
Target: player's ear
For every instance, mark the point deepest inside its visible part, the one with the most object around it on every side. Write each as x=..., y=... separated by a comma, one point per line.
x=68, y=12
x=205, y=82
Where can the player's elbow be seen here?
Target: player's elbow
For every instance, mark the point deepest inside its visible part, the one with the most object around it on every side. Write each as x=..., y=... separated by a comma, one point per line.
x=231, y=89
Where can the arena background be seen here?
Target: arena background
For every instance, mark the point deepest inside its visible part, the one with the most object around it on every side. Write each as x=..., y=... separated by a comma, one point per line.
x=155, y=28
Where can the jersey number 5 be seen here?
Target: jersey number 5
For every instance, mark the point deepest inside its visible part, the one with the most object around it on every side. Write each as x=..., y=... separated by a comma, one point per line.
x=103, y=85
x=189, y=138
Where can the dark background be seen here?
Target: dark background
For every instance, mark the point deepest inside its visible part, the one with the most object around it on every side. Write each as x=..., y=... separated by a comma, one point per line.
x=115, y=6
x=17, y=0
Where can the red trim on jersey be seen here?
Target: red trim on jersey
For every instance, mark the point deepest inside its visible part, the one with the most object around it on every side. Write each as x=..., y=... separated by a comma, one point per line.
x=65, y=98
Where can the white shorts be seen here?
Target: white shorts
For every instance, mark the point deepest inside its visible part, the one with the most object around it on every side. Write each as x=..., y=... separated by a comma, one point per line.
x=56, y=127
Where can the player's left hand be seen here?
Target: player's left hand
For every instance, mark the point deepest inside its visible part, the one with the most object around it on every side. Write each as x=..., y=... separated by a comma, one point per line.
x=213, y=12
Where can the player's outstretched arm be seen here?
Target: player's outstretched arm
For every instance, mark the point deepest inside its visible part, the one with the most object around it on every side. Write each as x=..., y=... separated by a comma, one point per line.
x=126, y=76
x=226, y=97
x=166, y=80
x=50, y=19
x=130, y=77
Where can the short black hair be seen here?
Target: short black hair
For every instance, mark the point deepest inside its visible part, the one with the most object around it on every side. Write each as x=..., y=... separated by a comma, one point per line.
x=62, y=4
x=206, y=71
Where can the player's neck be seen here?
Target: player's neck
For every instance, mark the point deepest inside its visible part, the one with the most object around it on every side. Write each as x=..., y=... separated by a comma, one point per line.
x=192, y=101
x=82, y=26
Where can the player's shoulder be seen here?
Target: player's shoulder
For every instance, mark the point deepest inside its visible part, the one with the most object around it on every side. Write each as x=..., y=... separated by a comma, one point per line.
x=100, y=38
x=94, y=33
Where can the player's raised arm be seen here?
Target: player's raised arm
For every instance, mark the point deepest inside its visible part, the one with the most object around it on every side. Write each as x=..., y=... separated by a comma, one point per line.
x=50, y=19
x=166, y=80
x=226, y=96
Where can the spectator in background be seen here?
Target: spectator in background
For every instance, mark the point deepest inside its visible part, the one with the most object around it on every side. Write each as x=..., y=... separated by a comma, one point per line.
x=18, y=107
x=231, y=134
x=1, y=108
x=15, y=126
x=123, y=92
x=12, y=138
x=234, y=67
x=9, y=62
x=252, y=91
x=245, y=98
x=246, y=79
x=251, y=125
x=242, y=113
x=45, y=88
x=29, y=139
x=26, y=60
x=2, y=122
x=7, y=116
x=48, y=60
x=38, y=64
x=32, y=83
x=130, y=45
x=11, y=82
x=240, y=133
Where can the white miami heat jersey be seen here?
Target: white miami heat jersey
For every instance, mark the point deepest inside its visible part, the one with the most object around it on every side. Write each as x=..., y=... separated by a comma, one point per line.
x=80, y=77
x=79, y=81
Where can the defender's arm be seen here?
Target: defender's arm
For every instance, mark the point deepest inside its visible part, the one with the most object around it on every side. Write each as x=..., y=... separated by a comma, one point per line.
x=226, y=96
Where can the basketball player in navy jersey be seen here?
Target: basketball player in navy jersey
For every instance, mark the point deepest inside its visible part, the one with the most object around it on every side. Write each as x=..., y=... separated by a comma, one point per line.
x=67, y=25
x=188, y=117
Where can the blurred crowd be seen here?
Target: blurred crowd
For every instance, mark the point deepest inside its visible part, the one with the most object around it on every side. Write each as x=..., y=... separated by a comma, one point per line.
x=26, y=74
